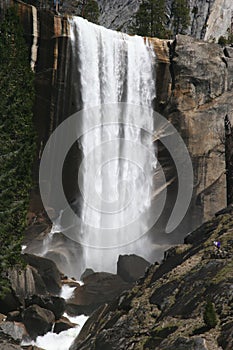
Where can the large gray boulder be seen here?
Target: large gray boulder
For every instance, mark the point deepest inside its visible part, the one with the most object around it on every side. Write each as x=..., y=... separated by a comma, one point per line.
x=131, y=267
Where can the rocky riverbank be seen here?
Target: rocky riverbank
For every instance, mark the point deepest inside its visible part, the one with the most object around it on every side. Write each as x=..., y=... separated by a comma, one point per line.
x=41, y=299
x=165, y=309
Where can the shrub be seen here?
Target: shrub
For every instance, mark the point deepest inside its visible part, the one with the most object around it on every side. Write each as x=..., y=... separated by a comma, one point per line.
x=210, y=316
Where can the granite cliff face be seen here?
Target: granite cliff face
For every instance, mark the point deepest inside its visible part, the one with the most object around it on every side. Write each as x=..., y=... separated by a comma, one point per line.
x=165, y=308
x=194, y=87
x=200, y=98
x=209, y=19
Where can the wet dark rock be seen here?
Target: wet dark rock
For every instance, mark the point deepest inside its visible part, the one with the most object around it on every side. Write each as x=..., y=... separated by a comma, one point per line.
x=52, y=303
x=14, y=316
x=37, y=320
x=63, y=324
x=23, y=284
x=48, y=271
x=225, y=339
x=98, y=288
x=10, y=303
x=131, y=267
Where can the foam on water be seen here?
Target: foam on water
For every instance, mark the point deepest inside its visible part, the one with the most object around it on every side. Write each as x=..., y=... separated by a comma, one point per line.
x=63, y=340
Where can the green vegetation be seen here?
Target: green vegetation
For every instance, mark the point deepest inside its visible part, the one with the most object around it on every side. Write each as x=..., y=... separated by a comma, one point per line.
x=210, y=316
x=89, y=9
x=180, y=14
x=223, y=41
x=17, y=141
x=150, y=19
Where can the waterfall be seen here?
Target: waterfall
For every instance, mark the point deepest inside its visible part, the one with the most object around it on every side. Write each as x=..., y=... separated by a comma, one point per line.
x=112, y=67
x=34, y=48
x=109, y=209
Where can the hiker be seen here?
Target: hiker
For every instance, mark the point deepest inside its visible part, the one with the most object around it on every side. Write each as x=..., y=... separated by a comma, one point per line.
x=217, y=244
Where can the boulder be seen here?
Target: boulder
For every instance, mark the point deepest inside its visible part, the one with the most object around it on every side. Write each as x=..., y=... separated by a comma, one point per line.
x=23, y=284
x=131, y=267
x=48, y=271
x=226, y=337
x=98, y=289
x=27, y=282
x=52, y=303
x=63, y=324
x=10, y=302
x=37, y=320
x=8, y=343
x=14, y=316
x=15, y=330
x=86, y=273
x=93, y=320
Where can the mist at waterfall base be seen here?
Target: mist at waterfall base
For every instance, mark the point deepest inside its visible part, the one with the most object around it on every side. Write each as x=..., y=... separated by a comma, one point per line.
x=115, y=176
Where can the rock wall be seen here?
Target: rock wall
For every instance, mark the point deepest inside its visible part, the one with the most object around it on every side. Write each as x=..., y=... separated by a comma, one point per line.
x=200, y=99
x=209, y=19
x=165, y=308
x=194, y=83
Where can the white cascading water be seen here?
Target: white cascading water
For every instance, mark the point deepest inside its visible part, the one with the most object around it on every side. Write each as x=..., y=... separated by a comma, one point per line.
x=113, y=67
x=109, y=67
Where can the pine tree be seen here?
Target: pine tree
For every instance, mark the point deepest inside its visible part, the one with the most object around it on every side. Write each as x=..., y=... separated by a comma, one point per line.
x=89, y=10
x=180, y=14
x=16, y=140
x=210, y=316
x=150, y=19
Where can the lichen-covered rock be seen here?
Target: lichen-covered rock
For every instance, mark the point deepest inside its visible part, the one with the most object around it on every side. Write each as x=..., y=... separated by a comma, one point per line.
x=165, y=309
